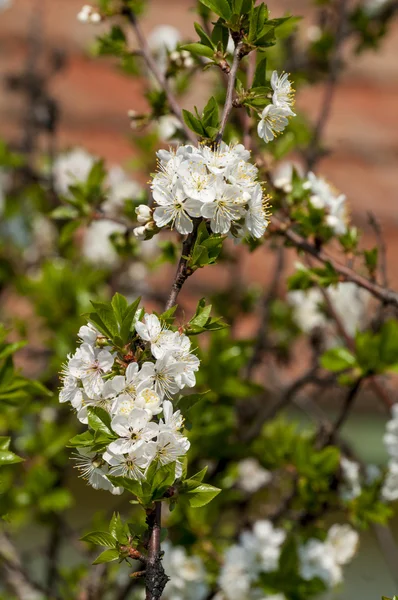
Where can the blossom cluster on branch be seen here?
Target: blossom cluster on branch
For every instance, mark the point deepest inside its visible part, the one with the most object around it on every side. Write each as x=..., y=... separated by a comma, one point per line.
x=217, y=184
x=134, y=389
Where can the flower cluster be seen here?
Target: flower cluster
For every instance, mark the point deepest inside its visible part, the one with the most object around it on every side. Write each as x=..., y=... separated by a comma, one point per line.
x=349, y=301
x=258, y=552
x=88, y=14
x=187, y=575
x=73, y=168
x=323, y=196
x=275, y=116
x=216, y=184
x=252, y=476
x=324, y=560
x=389, y=491
x=136, y=394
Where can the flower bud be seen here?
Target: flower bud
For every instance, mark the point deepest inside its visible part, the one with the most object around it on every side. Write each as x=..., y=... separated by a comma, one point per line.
x=143, y=213
x=139, y=232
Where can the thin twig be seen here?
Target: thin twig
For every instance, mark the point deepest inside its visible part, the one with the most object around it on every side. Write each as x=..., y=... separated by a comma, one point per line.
x=16, y=578
x=381, y=244
x=313, y=152
x=159, y=76
x=183, y=271
x=386, y=295
x=260, y=343
x=230, y=90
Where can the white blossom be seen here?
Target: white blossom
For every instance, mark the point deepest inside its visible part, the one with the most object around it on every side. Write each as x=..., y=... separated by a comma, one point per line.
x=71, y=392
x=121, y=188
x=389, y=490
x=187, y=575
x=252, y=476
x=274, y=119
x=88, y=14
x=283, y=96
x=174, y=208
x=94, y=470
x=161, y=339
x=88, y=365
x=146, y=426
x=169, y=447
x=324, y=559
x=282, y=175
x=143, y=213
x=227, y=207
x=264, y=545
x=163, y=375
x=132, y=464
x=237, y=574
x=133, y=429
x=218, y=184
x=325, y=197
x=167, y=128
x=257, y=220
x=351, y=487
x=350, y=302
x=71, y=168
x=97, y=245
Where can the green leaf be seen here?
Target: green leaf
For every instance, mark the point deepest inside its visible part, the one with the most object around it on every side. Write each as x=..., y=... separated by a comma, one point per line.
x=101, y=538
x=163, y=479
x=118, y=529
x=131, y=485
x=193, y=122
x=82, y=440
x=99, y=420
x=220, y=35
x=186, y=403
x=128, y=320
x=202, y=495
x=220, y=7
x=200, y=50
x=204, y=38
x=260, y=75
x=9, y=458
x=10, y=349
x=107, y=556
x=338, y=359
x=389, y=342
x=210, y=115
x=4, y=442
x=119, y=305
x=64, y=212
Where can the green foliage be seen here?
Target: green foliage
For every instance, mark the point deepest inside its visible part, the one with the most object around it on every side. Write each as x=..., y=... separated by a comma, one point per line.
x=207, y=124
x=206, y=249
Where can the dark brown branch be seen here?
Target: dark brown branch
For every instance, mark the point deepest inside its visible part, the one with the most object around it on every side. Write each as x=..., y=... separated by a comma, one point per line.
x=347, y=406
x=159, y=76
x=155, y=577
x=183, y=271
x=386, y=295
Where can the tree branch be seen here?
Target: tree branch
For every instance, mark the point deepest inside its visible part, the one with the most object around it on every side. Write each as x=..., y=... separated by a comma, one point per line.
x=230, y=90
x=159, y=76
x=386, y=295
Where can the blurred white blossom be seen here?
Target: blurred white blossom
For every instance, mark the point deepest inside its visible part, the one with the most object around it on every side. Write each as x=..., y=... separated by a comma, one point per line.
x=251, y=475
x=187, y=575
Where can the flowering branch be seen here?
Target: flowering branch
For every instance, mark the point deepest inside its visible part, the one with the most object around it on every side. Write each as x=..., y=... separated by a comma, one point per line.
x=386, y=295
